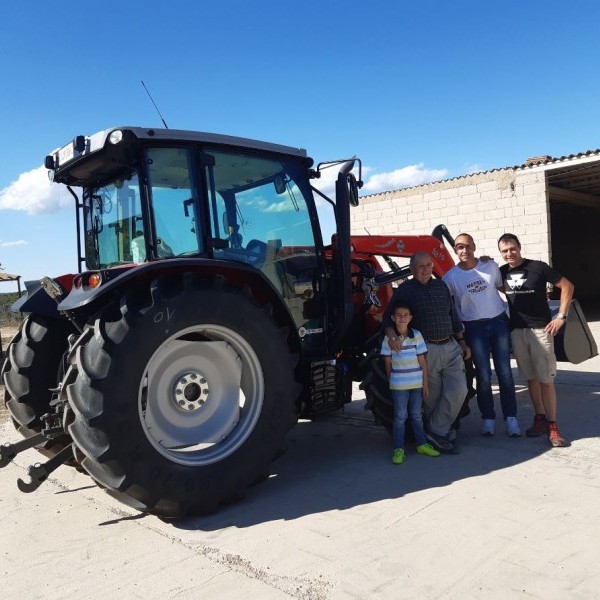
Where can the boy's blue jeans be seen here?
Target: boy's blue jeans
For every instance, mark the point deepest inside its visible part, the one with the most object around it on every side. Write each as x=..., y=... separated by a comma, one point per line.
x=407, y=404
x=492, y=336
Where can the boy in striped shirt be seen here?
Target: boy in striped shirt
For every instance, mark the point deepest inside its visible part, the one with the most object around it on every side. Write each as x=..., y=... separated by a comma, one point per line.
x=407, y=374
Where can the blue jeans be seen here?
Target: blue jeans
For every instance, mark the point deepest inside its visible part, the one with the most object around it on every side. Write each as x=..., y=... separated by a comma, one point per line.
x=407, y=404
x=492, y=336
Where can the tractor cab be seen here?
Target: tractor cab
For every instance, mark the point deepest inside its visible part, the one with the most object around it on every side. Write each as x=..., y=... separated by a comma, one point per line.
x=153, y=196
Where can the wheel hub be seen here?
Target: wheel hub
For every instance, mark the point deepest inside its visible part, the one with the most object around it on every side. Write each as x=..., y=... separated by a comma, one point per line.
x=190, y=392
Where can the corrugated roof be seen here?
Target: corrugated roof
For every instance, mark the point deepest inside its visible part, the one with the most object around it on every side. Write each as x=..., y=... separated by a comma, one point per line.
x=554, y=160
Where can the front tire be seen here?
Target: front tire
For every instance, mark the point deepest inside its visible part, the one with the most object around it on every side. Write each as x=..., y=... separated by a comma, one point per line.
x=375, y=384
x=182, y=399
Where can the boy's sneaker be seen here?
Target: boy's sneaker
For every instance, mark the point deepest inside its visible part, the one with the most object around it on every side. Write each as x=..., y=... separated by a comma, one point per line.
x=557, y=440
x=512, y=427
x=488, y=427
x=428, y=450
x=539, y=427
x=398, y=457
x=439, y=441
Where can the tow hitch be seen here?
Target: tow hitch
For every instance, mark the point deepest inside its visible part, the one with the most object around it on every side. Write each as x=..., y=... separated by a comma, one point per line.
x=38, y=472
x=9, y=451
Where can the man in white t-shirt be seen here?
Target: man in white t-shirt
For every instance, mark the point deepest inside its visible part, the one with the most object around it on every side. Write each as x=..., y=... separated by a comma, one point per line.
x=474, y=286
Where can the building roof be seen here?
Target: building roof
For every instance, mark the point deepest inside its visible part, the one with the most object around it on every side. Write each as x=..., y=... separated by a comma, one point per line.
x=8, y=277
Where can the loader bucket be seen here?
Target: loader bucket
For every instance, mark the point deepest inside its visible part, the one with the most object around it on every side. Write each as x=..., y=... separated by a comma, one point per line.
x=575, y=342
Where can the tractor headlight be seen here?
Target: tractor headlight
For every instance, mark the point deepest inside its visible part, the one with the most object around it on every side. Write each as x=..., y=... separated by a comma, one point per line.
x=115, y=137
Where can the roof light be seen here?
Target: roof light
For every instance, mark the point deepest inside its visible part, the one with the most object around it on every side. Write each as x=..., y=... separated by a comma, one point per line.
x=115, y=137
x=79, y=143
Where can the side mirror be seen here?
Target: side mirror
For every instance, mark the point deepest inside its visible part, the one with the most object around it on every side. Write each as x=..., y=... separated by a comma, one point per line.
x=352, y=189
x=279, y=183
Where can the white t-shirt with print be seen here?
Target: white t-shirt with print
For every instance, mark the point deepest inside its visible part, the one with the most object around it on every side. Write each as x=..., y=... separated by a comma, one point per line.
x=475, y=291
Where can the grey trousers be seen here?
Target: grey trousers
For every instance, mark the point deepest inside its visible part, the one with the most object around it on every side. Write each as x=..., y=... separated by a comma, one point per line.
x=447, y=386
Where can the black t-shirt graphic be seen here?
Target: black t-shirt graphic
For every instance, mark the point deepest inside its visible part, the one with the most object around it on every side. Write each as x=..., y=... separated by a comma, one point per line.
x=525, y=288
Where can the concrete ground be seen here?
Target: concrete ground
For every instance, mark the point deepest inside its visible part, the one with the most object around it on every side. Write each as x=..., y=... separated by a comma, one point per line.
x=507, y=518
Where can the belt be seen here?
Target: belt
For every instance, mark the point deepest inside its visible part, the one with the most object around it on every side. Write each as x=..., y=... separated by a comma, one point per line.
x=439, y=342
x=484, y=320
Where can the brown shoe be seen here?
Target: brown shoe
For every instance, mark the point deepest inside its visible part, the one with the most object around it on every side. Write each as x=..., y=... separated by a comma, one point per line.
x=539, y=427
x=557, y=440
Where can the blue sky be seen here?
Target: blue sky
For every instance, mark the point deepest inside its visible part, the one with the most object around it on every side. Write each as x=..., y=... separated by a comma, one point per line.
x=419, y=90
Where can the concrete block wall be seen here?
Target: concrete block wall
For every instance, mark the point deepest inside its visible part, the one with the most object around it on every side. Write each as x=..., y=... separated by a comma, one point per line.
x=486, y=205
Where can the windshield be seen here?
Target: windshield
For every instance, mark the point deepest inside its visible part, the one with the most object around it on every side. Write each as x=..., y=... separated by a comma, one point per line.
x=113, y=222
x=259, y=215
x=258, y=199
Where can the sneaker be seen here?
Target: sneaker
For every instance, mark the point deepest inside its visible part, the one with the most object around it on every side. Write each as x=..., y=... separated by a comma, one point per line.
x=512, y=427
x=539, y=427
x=488, y=427
x=439, y=442
x=557, y=440
x=398, y=457
x=428, y=450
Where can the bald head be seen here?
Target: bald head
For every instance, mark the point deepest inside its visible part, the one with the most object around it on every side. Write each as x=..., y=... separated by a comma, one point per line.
x=421, y=266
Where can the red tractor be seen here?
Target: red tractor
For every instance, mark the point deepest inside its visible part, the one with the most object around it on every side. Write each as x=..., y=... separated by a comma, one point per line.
x=209, y=316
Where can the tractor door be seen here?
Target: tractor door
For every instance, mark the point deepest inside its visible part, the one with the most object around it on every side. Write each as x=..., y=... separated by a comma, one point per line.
x=260, y=213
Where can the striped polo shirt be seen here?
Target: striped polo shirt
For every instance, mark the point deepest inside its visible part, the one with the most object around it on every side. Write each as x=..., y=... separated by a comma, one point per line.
x=406, y=371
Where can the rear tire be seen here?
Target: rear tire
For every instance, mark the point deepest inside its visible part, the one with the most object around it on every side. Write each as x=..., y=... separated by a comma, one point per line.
x=31, y=369
x=182, y=399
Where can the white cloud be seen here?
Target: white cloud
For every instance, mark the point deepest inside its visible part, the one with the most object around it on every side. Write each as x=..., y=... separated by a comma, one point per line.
x=402, y=178
x=382, y=182
x=8, y=244
x=469, y=169
x=33, y=193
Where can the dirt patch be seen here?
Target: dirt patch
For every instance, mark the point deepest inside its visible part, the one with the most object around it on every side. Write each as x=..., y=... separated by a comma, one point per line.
x=7, y=333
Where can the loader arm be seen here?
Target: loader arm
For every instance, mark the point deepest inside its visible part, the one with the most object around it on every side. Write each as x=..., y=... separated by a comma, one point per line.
x=404, y=246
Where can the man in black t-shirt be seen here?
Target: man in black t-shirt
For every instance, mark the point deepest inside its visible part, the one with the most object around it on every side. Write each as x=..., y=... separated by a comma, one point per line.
x=533, y=330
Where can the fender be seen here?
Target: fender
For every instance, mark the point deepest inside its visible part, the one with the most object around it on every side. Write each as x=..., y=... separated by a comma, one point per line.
x=36, y=300
x=84, y=300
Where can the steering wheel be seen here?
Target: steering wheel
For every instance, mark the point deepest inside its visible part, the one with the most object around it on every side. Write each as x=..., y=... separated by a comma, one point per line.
x=257, y=253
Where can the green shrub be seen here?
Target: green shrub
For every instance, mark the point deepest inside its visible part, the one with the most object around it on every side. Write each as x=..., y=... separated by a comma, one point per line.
x=7, y=317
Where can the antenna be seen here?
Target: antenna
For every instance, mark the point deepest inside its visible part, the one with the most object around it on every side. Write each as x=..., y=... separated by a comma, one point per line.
x=156, y=107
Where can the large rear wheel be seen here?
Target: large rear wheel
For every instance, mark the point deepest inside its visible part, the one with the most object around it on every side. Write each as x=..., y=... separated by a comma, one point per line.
x=183, y=397
x=32, y=368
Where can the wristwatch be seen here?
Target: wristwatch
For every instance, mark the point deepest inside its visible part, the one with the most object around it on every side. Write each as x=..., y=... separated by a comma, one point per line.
x=561, y=316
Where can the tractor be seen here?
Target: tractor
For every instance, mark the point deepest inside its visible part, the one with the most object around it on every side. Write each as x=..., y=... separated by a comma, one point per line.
x=206, y=317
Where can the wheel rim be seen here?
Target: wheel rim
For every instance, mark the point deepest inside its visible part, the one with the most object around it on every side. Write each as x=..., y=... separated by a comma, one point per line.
x=201, y=395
